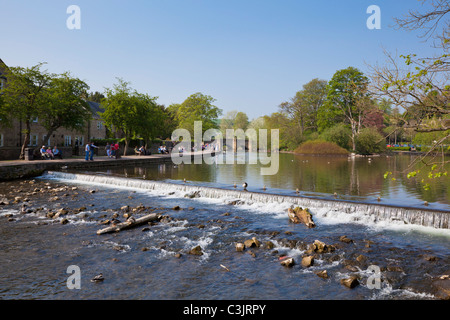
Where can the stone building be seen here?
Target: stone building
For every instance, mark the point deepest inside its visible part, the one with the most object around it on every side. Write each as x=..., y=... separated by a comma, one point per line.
x=69, y=141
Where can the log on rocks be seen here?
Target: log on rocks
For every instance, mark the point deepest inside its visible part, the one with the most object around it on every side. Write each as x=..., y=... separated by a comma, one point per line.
x=130, y=223
x=300, y=215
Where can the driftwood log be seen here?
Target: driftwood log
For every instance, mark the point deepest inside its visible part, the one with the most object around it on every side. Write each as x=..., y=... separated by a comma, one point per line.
x=130, y=223
x=299, y=215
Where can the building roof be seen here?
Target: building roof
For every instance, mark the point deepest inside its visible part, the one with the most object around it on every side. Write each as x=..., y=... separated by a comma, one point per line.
x=96, y=108
x=3, y=66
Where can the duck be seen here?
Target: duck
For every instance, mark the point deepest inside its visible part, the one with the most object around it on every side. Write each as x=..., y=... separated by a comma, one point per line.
x=264, y=188
x=297, y=190
x=245, y=185
x=235, y=185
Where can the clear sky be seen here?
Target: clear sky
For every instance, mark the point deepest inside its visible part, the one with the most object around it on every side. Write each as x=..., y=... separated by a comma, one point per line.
x=249, y=55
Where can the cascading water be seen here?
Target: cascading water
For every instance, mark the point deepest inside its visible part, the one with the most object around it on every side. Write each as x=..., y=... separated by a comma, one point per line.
x=326, y=207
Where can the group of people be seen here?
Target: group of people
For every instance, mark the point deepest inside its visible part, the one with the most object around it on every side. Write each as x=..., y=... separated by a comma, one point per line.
x=89, y=149
x=112, y=150
x=142, y=151
x=49, y=153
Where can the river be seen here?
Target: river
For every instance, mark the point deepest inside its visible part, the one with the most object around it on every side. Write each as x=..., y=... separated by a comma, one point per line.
x=153, y=262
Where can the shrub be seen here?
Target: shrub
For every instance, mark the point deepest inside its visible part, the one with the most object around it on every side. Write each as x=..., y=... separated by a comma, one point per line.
x=320, y=147
x=338, y=134
x=369, y=141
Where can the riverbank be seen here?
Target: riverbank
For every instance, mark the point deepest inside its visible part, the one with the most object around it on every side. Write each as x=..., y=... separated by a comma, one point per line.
x=19, y=169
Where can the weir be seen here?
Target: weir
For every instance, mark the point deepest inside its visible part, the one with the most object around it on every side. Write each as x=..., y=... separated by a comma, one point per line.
x=417, y=216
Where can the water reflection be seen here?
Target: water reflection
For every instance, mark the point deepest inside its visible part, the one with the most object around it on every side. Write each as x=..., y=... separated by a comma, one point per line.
x=358, y=177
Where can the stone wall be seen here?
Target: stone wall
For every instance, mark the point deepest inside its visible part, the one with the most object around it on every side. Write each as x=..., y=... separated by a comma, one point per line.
x=31, y=169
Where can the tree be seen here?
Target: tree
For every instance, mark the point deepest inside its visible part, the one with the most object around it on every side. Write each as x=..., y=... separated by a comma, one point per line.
x=347, y=101
x=241, y=121
x=25, y=97
x=420, y=85
x=303, y=108
x=197, y=107
x=151, y=117
x=65, y=106
x=122, y=110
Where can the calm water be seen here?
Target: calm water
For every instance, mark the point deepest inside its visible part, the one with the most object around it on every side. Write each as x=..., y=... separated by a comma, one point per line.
x=143, y=264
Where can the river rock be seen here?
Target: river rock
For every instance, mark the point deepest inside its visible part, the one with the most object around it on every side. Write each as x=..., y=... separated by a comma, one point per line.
x=196, y=251
x=351, y=282
x=253, y=242
x=287, y=262
x=323, y=274
x=442, y=285
x=307, y=261
x=300, y=215
x=320, y=247
x=64, y=221
x=4, y=202
x=240, y=247
x=269, y=245
x=194, y=194
x=345, y=239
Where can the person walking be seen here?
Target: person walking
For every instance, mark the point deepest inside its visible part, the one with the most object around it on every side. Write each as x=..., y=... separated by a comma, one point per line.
x=108, y=150
x=87, y=150
x=91, y=151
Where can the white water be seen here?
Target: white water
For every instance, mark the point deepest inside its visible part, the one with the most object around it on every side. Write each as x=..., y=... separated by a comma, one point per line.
x=327, y=211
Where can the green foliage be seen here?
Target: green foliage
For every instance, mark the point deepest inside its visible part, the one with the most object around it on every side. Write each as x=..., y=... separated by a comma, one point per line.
x=369, y=141
x=320, y=147
x=344, y=90
x=197, y=107
x=132, y=113
x=339, y=134
x=65, y=106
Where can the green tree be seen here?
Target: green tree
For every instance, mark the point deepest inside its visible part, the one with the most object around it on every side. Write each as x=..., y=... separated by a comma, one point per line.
x=65, y=106
x=370, y=141
x=151, y=118
x=420, y=85
x=122, y=110
x=339, y=134
x=197, y=107
x=347, y=101
x=241, y=121
x=25, y=97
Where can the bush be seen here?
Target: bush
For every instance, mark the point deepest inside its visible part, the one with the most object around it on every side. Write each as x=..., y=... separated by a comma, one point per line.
x=369, y=141
x=320, y=147
x=338, y=134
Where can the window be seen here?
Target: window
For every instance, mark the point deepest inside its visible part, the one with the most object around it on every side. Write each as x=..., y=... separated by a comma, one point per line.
x=79, y=141
x=34, y=119
x=1, y=139
x=46, y=140
x=33, y=140
x=67, y=141
x=99, y=125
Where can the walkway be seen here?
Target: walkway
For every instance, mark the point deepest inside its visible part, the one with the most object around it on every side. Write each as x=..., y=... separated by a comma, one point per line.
x=16, y=169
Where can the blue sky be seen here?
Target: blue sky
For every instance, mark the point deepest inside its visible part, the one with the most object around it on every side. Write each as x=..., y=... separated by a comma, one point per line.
x=249, y=55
